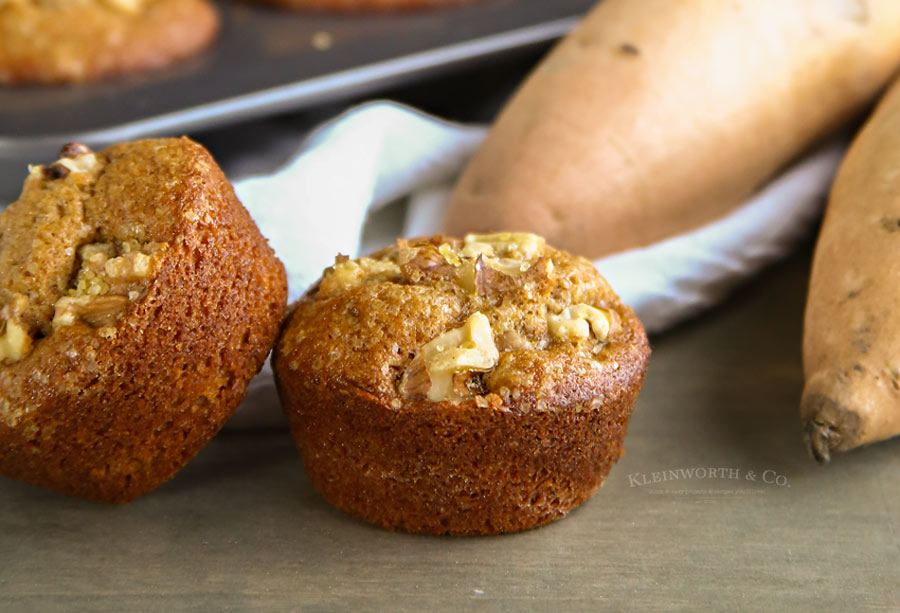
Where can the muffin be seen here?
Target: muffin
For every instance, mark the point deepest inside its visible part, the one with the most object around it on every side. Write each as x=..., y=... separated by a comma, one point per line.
x=137, y=299
x=56, y=41
x=475, y=386
x=362, y=5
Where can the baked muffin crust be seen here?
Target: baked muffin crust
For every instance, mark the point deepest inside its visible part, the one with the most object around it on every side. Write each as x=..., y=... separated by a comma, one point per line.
x=460, y=386
x=137, y=299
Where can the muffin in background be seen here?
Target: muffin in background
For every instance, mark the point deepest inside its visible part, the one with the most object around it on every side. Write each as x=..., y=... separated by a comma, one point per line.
x=76, y=41
x=474, y=386
x=362, y=5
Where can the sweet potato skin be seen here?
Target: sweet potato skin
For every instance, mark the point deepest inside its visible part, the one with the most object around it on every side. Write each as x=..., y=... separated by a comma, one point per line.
x=655, y=117
x=851, y=340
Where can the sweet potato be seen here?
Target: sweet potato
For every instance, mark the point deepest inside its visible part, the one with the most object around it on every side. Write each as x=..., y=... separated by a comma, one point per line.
x=851, y=339
x=656, y=116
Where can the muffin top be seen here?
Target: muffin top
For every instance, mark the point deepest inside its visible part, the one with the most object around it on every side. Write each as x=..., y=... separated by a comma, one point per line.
x=88, y=235
x=501, y=320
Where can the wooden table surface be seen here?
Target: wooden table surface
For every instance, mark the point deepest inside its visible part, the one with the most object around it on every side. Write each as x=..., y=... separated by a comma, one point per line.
x=757, y=525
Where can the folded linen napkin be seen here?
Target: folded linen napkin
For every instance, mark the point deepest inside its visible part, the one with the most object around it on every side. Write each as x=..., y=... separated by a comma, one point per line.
x=379, y=153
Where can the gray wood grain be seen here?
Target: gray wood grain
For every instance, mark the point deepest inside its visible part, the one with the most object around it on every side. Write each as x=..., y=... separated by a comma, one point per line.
x=240, y=528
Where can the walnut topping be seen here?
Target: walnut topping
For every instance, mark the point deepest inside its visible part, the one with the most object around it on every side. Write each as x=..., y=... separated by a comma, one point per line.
x=474, y=249
x=492, y=281
x=406, y=254
x=73, y=150
x=576, y=323
x=466, y=275
x=508, y=266
x=346, y=274
x=86, y=162
x=449, y=254
x=107, y=269
x=15, y=342
x=415, y=382
x=427, y=263
x=508, y=253
x=74, y=158
x=96, y=311
x=426, y=259
x=111, y=275
x=15, y=337
x=471, y=265
x=484, y=278
x=132, y=266
x=517, y=245
x=467, y=348
x=56, y=171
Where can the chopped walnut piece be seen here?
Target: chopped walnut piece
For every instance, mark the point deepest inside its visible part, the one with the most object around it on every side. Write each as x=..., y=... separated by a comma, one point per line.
x=485, y=277
x=15, y=342
x=347, y=273
x=518, y=245
x=93, y=251
x=15, y=336
x=508, y=266
x=449, y=254
x=406, y=254
x=415, y=381
x=72, y=161
x=576, y=322
x=466, y=275
x=428, y=258
x=56, y=171
x=85, y=162
x=131, y=266
x=427, y=262
x=73, y=150
x=490, y=281
x=96, y=311
x=467, y=348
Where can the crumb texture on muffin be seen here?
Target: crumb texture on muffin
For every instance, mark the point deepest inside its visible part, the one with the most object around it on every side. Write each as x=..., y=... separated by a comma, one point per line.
x=466, y=386
x=56, y=41
x=137, y=299
x=58, y=263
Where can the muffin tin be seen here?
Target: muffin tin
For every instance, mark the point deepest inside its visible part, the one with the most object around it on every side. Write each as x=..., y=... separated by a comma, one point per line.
x=268, y=61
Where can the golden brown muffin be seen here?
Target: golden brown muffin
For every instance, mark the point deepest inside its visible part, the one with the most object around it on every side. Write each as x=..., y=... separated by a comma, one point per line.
x=137, y=299
x=362, y=5
x=55, y=41
x=473, y=386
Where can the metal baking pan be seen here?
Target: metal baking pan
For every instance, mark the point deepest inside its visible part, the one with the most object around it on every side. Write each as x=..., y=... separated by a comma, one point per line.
x=268, y=61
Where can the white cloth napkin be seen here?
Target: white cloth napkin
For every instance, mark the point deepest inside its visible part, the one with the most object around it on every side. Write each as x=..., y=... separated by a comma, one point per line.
x=379, y=153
